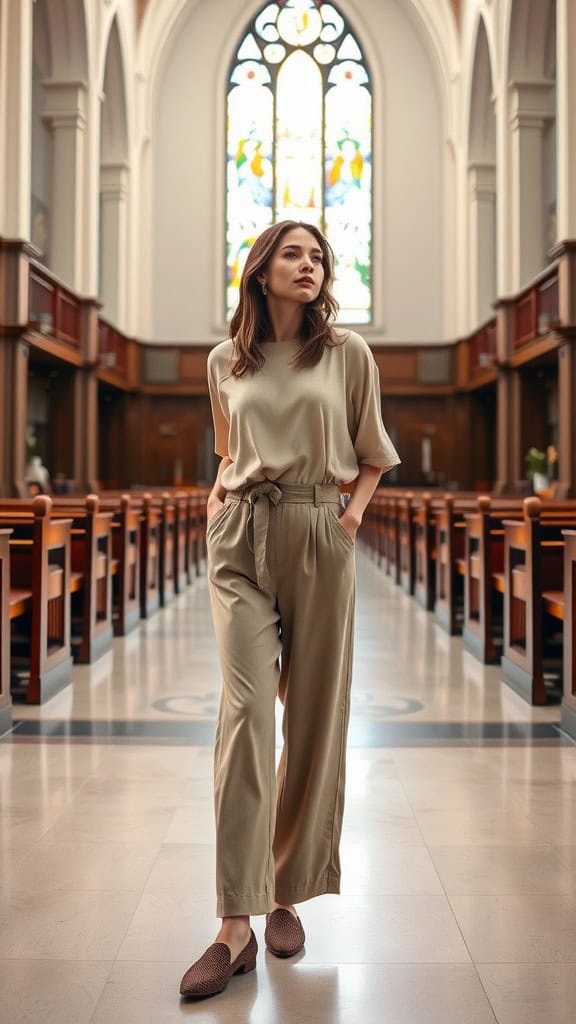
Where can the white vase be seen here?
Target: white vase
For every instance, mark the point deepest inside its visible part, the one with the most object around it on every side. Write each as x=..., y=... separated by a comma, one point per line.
x=36, y=473
x=540, y=482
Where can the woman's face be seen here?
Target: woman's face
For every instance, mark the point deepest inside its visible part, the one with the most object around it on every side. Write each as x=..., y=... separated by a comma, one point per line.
x=295, y=270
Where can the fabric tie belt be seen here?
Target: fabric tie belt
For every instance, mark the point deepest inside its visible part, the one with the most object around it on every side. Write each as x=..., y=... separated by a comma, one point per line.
x=259, y=514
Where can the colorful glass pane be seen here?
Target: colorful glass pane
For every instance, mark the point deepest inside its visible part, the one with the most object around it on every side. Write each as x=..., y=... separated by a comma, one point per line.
x=265, y=23
x=249, y=172
x=349, y=50
x=348, y=195
x=333, y=23
x=274, y=53
x=299, y=22
x=324, y=53
x=300, y=142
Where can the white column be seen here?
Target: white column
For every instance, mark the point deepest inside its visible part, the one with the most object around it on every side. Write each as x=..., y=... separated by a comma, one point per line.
x=113, y=241
x=531, y=106
x=15, y=117
x=566, y=135
x=66, y=114
x=482, y=235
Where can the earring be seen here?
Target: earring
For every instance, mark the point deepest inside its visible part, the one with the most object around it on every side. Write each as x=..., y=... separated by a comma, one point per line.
x=263, y=287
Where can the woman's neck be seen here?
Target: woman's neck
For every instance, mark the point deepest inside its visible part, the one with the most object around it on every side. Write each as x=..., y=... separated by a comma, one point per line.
x=285, y=320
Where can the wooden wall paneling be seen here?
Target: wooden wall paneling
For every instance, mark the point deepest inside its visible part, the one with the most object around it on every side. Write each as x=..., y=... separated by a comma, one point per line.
x=483, y=441
x=112, y=444
x=504, y=433
x=428, y=417
x=62, y=452
x=397, y=367
x=135, y=438
x=567, y=419
x=458, y=442
x=175, y=433
x=536, y=427
x=15, y=397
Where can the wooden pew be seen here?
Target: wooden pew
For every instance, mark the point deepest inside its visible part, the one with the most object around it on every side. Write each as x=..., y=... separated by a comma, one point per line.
x=5, y=697
x=91, y=572
x=450, y=526
x=91, y=579
x=149, y=556
x=126, y=550
x=196, y=543
x=405, y=532
x=569, y=668
x=425, y=514
x=125, y=564
x=484, y=577
x=533, y=595
x=40, y=560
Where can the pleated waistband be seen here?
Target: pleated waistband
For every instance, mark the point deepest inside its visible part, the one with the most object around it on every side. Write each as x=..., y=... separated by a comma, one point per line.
x=276, y=492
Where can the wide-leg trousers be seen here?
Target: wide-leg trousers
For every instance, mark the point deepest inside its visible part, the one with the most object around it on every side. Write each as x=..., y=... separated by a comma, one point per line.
x=281, y=574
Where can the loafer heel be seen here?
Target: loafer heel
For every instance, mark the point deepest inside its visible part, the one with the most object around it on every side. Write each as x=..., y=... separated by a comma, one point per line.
x=212, y=972
x=245, y=968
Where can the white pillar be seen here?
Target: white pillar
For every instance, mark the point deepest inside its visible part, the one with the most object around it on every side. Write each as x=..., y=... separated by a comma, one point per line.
x=66, y=114
x=15, y=117
x=113, y=241
x=482, y=235
x=531, y=106
x=566, y=135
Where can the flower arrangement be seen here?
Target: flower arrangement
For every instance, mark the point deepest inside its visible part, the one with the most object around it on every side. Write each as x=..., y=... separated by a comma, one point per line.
x=536, y=462
x=540, y=467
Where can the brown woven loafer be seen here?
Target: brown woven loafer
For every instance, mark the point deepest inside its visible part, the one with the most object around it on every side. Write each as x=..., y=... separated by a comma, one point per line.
x=212, y=972
x=284, y=934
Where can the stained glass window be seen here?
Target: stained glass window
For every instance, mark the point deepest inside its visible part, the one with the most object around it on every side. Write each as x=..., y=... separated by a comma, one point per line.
x=299, y=142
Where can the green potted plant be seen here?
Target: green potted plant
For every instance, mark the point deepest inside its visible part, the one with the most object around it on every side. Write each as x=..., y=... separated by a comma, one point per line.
x=537, y=469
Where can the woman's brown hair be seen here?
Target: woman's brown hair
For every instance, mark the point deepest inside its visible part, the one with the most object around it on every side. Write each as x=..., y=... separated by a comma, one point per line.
x=250, y=325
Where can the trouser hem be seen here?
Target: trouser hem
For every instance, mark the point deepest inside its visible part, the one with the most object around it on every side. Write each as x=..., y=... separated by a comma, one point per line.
x=239, y=904
x=236, y=905
x=300, y=893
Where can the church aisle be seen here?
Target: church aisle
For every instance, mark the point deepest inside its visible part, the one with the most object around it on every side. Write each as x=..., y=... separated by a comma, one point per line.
x=458, y=902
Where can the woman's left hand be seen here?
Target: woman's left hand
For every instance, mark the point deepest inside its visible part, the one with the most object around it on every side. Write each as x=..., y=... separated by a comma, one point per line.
x=350, y=523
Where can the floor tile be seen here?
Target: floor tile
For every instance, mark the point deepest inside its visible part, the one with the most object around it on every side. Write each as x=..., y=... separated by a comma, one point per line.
x=51, y=991
x=65, y=925
x=287, y=993
x=530, y=993
x=518, y=928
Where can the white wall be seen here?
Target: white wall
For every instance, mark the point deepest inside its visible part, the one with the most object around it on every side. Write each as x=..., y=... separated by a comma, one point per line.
x=188, y=191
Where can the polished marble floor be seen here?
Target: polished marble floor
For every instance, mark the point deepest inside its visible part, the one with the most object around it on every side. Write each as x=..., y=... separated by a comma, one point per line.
x=458, y=901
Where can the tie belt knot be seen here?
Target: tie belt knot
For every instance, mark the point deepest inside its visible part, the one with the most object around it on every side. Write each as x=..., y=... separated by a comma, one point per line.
x=257, y=525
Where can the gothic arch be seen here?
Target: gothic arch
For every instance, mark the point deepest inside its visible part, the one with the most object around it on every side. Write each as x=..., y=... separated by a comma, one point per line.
x=530, y=47
x=529, y=24
x=481, y=184
x=481, y=118
x=114, y=181
x=433, y=19
x=114, y=144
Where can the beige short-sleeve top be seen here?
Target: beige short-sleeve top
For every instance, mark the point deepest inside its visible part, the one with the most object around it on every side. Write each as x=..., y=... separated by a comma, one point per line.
x=302, y=426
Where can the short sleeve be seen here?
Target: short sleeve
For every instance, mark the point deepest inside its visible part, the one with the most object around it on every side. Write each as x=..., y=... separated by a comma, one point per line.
x=372, y=444
x=221, y=422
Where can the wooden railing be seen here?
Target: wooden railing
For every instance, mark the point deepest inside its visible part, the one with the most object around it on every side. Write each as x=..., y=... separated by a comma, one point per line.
x=536, y=309
x=112, y=348
x=482, y=349
x=53, y=309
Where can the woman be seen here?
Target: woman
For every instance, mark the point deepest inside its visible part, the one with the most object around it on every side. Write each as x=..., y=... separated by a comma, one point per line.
x=296, y=407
